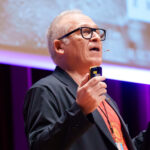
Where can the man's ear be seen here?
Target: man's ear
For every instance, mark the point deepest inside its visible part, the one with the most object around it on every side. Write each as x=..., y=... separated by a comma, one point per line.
x=58, y=47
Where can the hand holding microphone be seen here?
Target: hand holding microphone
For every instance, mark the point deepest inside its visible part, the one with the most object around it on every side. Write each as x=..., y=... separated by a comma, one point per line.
x=91, y=91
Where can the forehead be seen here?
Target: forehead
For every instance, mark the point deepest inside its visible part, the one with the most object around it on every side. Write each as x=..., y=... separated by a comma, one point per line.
x=78, y=20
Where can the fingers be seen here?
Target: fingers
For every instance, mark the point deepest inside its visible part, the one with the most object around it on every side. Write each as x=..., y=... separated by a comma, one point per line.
x=101, y=91
x=85, y=79
x=100, y=85
x=101, y=98
x=96, y=85
x=90, y=93
x=96, y=80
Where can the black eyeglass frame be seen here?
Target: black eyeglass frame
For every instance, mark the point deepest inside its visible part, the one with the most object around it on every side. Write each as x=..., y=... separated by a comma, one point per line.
x=80, y=28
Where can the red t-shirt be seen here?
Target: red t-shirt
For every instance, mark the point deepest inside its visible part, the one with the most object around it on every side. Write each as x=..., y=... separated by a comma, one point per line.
x=115, y=124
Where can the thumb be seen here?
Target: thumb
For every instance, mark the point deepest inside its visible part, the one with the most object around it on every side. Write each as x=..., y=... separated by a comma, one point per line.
x=85, y=80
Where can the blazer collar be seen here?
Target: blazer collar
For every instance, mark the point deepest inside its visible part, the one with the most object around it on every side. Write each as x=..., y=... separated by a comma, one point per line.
x=65, y=78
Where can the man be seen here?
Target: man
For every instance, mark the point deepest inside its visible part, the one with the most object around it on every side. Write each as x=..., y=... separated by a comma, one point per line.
x=67, y=110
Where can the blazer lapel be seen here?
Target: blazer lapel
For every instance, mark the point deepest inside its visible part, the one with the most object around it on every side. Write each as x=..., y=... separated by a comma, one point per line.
x=109, y=101
x=71, y=85
x=123, y=125
x=102, y=126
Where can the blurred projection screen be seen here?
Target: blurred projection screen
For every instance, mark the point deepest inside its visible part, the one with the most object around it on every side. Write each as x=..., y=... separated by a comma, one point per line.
x=23, y=27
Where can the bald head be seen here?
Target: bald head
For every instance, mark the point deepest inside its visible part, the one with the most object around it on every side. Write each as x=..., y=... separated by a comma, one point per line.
x=60, y=26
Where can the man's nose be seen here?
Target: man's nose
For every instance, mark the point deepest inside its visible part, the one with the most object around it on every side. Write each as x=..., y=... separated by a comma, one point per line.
x=95, y=37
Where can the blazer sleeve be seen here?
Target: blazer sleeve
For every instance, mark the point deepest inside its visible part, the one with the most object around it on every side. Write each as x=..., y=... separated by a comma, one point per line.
x=46, y=127
x=142, y=140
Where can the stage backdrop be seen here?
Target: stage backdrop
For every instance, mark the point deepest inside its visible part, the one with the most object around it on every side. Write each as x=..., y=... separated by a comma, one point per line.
x=24, y=24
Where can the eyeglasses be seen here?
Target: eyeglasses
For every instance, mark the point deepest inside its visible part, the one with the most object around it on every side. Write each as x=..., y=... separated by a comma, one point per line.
x=87, y=33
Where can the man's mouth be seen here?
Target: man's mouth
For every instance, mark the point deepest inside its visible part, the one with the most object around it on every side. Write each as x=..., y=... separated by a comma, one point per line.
x=94, y=49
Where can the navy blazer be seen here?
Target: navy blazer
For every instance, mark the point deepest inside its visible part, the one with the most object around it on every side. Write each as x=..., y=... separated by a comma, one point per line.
x=54, y=121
